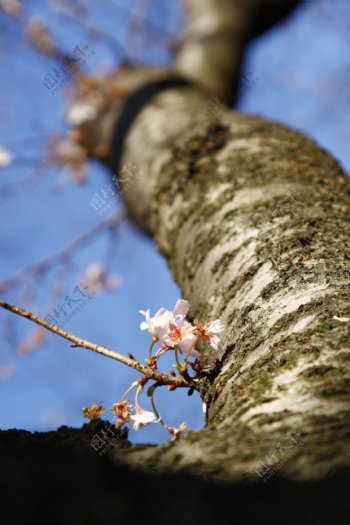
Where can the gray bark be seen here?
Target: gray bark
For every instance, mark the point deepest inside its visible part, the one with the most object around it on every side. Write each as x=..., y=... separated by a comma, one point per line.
x=252, y=218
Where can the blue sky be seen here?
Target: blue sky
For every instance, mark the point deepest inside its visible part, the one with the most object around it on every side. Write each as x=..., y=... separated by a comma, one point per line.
x=301, y=72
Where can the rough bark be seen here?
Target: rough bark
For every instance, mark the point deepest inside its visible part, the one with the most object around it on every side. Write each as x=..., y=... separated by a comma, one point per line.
x=252, y=218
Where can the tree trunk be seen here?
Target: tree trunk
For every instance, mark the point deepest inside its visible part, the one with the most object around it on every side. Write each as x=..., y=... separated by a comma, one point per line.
x=252, y=218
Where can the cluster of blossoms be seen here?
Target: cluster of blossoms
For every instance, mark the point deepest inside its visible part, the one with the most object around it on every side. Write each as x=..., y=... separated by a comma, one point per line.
x=174, y=333
x=171, y=328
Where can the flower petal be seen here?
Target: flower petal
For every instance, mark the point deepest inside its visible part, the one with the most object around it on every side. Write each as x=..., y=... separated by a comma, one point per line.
x=186, y=345
x=142, y=418
x=181, y=308
x=214, y=341
x=215, y=327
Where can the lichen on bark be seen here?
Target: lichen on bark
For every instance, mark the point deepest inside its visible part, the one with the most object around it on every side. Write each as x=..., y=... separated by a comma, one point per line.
x=252, y=218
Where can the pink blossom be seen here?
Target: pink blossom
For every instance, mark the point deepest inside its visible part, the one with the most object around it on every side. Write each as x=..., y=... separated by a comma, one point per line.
x=181, y=335
x=159, y=324
x=122, y=410
x=208, y=332
x=177, y=432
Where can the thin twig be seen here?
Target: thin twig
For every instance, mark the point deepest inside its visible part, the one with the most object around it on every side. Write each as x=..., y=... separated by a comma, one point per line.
x=43, y=266
x=77, y=342
x=12, y=189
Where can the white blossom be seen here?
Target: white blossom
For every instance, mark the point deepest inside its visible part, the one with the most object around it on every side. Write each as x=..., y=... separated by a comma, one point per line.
x=5, y=157
x=181, y=308
x=80, y=112
x=158, y=325
x=171, y=327
x=142, y=418
x=96, y=278
x=208, y=332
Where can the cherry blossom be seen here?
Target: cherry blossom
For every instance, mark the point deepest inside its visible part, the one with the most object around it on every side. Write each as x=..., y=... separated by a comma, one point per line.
x=181, y=308
x=94, y=412
x=5, y=157
x=123, y=411
x=208, y=332
x=96, y=278
x=181, y=335
x=66, y=152
x=158, y=325
x=80, y=112
x=142, y=418
x=177, y=432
